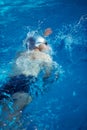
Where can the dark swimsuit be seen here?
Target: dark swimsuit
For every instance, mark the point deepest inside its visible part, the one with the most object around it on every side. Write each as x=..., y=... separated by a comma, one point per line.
x=19, y=83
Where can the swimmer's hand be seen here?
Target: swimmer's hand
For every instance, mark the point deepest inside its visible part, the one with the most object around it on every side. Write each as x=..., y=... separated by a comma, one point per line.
x=47, y=32
x=47, y=75
x=47, y=70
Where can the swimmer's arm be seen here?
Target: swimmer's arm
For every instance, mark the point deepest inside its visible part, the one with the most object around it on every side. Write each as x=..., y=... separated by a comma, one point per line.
x=47, y=70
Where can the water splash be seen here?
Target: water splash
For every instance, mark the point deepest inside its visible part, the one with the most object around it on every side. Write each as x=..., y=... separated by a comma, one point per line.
x=72, y=34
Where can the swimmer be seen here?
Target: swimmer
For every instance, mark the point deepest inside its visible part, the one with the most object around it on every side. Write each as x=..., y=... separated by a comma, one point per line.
x=25, y=72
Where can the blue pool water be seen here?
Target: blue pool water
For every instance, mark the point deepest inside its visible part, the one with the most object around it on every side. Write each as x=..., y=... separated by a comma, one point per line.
x=64, y=105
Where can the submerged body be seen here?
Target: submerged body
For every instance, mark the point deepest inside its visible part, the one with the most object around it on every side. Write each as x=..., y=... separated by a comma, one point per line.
x=31, y=63
x=27, y=67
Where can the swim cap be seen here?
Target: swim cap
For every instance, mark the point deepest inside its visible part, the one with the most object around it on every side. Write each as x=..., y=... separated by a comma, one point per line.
x=40, y=40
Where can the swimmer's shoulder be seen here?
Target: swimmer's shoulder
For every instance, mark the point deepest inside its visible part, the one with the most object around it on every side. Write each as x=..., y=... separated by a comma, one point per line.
x=46, y=58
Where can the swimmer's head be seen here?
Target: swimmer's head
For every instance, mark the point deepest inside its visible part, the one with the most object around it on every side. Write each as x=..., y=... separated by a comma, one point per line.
x=42, y=45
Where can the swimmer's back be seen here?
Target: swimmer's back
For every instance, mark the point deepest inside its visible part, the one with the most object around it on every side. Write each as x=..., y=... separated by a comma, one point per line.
x=31, y=63
x=37, y=55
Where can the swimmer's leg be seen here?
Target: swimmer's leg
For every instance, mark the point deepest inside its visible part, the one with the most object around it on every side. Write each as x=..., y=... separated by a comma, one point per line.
x=20, y=100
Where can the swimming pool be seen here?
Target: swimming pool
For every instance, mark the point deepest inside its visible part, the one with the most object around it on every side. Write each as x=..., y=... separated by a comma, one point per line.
x=64, y=105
